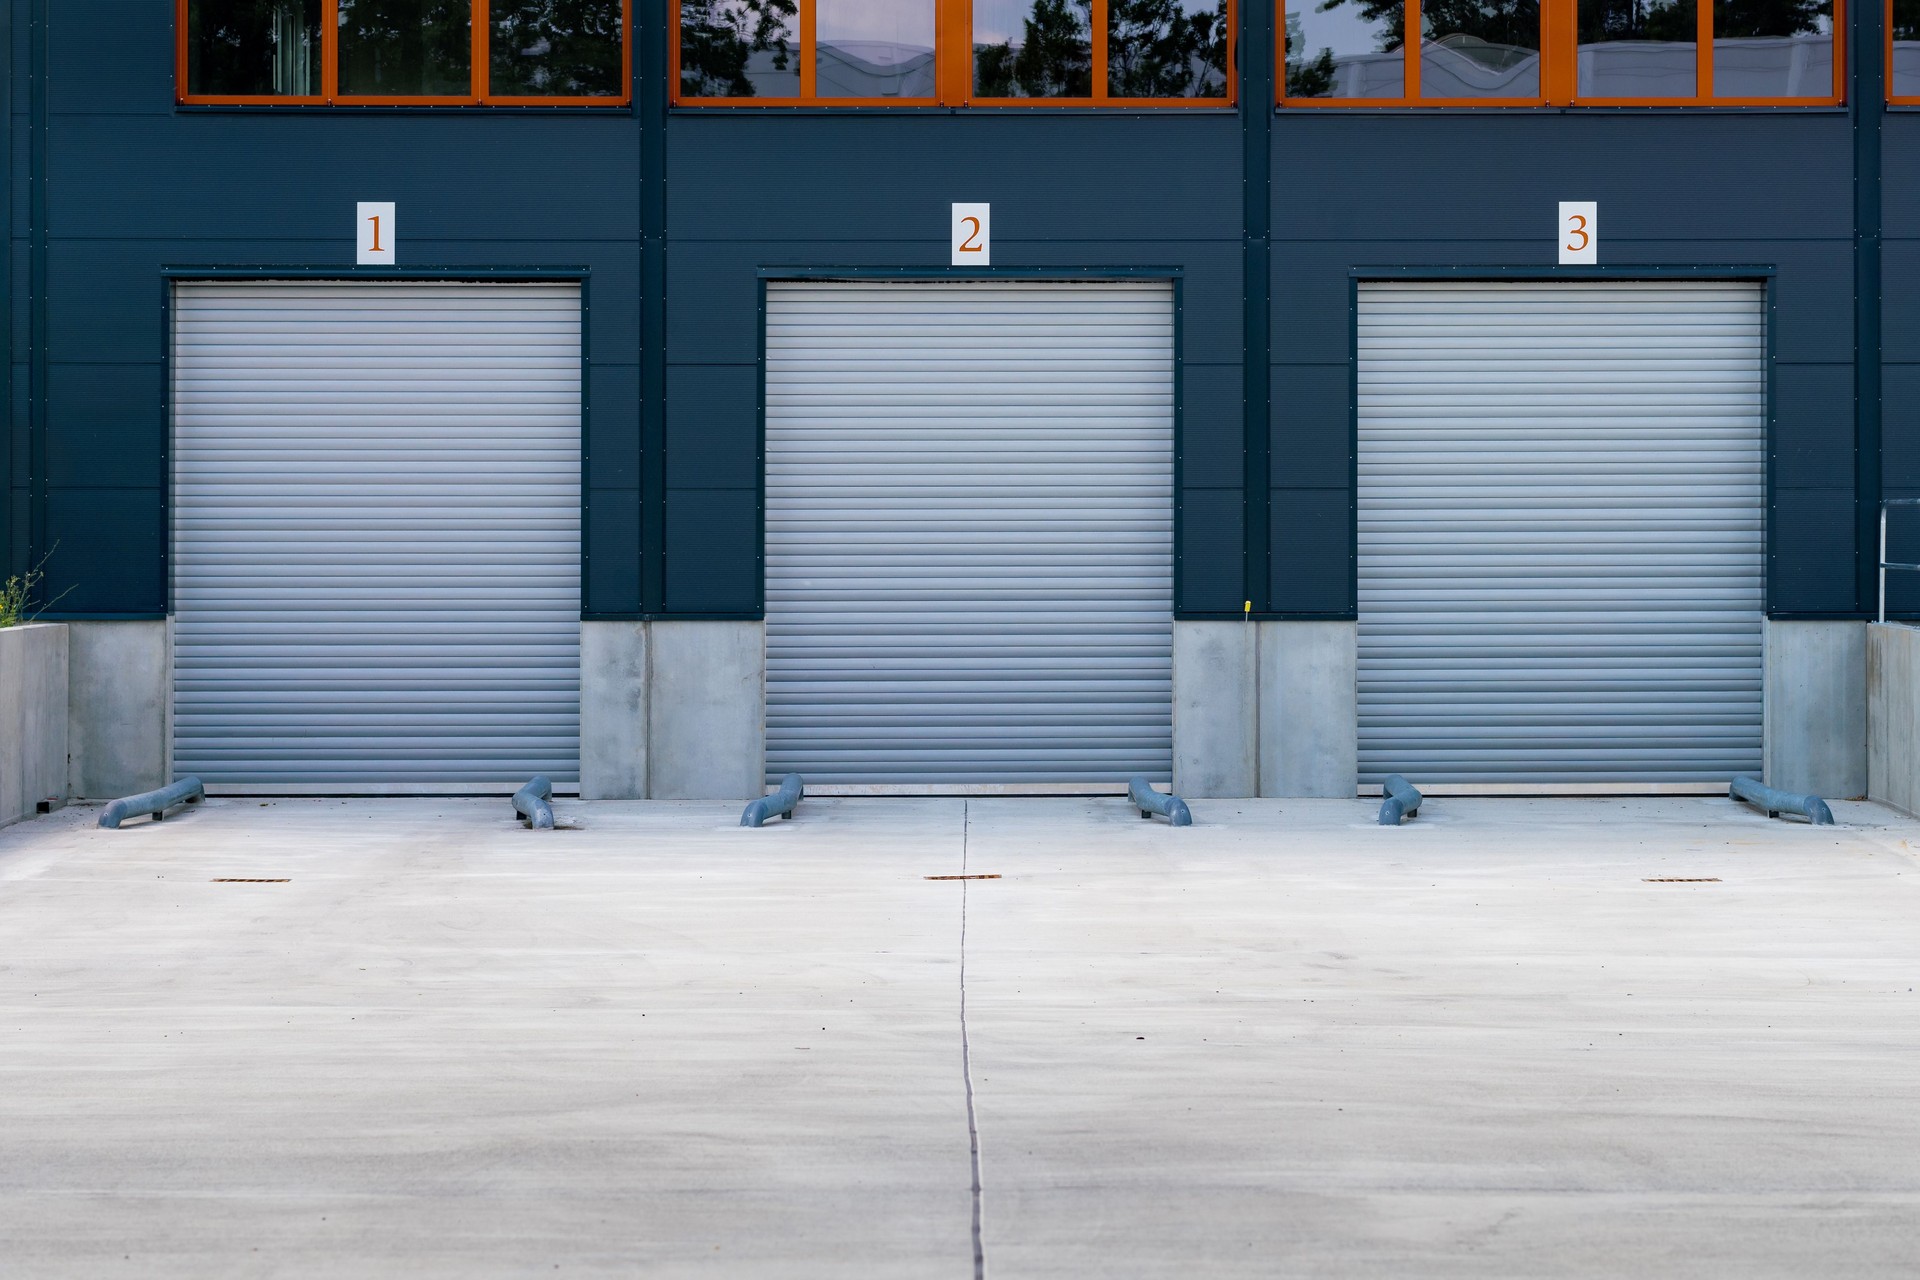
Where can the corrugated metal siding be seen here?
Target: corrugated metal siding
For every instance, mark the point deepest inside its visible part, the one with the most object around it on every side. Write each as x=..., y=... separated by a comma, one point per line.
x=376, y=540
x=969, y=533
x=1560, y=539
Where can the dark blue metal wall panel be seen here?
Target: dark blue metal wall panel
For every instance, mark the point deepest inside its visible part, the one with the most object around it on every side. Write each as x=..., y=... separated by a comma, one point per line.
x=1312, y=535
x=134, y=184
x=1063, y=177
x=713, y=424
x=105, y=427
x=1212, y=444
x=713, y=552
x=611, y=537
x=1211, y=551
x=1312, y=426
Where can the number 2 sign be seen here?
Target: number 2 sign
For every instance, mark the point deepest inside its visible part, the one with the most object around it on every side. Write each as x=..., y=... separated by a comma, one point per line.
x=972, y=240
x=1579, y=233
x=374, y=233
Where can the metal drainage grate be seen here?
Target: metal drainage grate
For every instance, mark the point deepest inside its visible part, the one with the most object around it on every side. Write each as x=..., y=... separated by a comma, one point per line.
x=250, y=880
x=994, y=877
x=1681, y=880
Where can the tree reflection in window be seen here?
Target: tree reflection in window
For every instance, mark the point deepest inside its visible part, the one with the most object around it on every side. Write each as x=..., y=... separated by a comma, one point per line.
x=556, y=48
x=1773, y=49
x=1053, y=57
x=1166, y=49
x=406, y=48
x=739, y=48
x=1307, y=76
x=1335, y=53
x=1638, y=48
x=1468, y=49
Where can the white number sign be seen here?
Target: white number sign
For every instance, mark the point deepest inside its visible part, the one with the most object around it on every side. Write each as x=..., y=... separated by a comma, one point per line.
x=972, y=236
x=1579, y=233
x=374, y=233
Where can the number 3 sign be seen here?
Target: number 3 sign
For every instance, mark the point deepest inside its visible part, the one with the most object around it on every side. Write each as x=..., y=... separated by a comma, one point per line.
x=1579, y=233
x=972, y=240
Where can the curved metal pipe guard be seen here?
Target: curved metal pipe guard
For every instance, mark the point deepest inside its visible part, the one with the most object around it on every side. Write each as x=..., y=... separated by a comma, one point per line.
x=186, y=791
x=779, y=804
x=1149, y=802
x=1761, y=796
x=534, y=802
x=1402, y=801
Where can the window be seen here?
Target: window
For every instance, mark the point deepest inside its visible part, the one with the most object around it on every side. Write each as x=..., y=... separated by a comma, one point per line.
x=953, y=52
x=1559, y=52
x=1903, y=51
x=393, y=52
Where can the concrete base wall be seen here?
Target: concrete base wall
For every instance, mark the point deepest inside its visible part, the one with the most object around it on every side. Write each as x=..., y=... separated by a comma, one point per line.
x=33, y=718
x=673, y=710
x=120, y=705
x=1216, y=739
x=1816, y=707
x=1265, y=708
x=1893, y=715
x=613, y=710
x=1309, y=709
x=707, y=711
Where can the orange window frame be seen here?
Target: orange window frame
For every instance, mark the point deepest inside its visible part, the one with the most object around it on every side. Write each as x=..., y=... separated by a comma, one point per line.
x=1896, y=99
x=1559, y=67
x=953, y=66
x=480, y=71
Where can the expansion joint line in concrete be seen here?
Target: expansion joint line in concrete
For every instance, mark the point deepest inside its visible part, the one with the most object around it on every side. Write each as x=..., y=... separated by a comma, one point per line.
x=966, y=1056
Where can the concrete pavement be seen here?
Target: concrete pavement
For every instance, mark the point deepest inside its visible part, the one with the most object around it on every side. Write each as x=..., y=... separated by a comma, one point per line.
x=1282, y=1042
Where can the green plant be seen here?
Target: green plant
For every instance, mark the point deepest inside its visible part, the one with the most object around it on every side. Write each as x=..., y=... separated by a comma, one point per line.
x=17, y=592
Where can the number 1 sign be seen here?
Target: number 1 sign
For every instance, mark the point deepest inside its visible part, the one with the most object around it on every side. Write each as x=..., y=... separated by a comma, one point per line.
x=1579, y=233
x=971, y=238
x=375, y=235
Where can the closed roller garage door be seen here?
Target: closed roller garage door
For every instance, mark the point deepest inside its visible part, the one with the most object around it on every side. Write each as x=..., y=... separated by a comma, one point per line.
x=376, y=535
x=1561, y=489
x=969, y=534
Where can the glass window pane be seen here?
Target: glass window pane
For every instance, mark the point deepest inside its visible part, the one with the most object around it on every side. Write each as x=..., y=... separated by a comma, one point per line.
x=1480, y=49
x=1638, y=48
x=740, y=48
x=1167, y=48
x=255, y=48
x=406, y=48
x=1032, y=49
x=1346, y=49
x=555, y=49
x=874, y=49
x=1904, y=74
x=1773, y=48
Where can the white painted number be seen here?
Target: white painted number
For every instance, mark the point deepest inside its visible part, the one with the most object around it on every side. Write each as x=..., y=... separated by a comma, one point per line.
x=1579, y=233
x=972, y=235
x=374, y=233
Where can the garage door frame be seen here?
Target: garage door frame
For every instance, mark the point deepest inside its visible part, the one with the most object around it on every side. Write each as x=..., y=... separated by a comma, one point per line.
x=174, y=276
x=1172, y=276
x=1761, y=275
